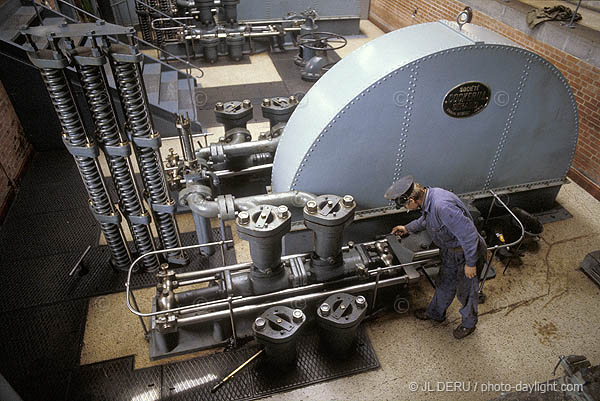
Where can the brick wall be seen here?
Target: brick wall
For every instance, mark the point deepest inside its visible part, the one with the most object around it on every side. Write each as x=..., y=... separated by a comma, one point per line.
x=14, y=150
x=583, y=77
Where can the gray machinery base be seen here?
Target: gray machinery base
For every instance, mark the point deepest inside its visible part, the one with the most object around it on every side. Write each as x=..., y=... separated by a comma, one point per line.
x=365, y=230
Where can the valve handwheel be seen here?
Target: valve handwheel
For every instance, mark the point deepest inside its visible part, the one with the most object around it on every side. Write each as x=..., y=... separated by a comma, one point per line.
x=322, y=41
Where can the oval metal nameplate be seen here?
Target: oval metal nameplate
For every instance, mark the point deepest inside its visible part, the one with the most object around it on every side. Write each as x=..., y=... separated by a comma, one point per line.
x=466, y=99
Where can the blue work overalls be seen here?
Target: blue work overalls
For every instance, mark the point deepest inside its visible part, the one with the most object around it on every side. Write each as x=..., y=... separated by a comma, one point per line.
x=449, y=223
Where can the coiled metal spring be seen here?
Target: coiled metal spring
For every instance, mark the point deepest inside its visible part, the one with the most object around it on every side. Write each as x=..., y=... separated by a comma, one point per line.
x=94, y=86
x=165, y=7
x=158, y=34
x=136, y=110
x=142, y=13
x=73, y=129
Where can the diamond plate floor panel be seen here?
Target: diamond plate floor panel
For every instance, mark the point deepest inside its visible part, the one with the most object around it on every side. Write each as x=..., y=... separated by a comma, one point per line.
x=193, y=379
x=38, y=281
x=314, y=365
x=47, y=234
x=40, y=346
x=115, y=380
x=51, y=167
x=47, y=198
x=45, y=280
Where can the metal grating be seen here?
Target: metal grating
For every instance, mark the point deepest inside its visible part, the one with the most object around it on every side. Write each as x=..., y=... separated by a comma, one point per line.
x=34, y=236
x=52, y=386
x=193, y=379
x=45, y=280
x=47, y=198
x=314, y=365
x=51, y=167
x=115, y=380
x=40, y=345
x=38, y=281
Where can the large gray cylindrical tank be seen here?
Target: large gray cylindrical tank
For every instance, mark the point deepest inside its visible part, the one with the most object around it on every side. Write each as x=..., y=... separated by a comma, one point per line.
x=466, y=109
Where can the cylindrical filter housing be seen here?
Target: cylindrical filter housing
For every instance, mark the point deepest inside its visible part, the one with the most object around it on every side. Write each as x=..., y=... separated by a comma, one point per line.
x=278, y=329
x=338, y=318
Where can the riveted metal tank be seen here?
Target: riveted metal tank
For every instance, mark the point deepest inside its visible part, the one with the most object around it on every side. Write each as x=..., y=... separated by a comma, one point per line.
x=461, y=108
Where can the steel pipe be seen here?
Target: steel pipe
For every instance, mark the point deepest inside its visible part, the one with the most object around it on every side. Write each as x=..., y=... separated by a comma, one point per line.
x=249, y=170
x=187, y=321
x=245, y=34
x=198, y=204
x=241, y=149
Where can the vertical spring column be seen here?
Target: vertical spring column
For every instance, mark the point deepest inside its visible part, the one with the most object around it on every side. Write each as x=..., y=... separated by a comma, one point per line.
x=165, y=7
x=160, y=37
x=146, y=144
x=85, y=152
x=90, y=62
x=144, y=18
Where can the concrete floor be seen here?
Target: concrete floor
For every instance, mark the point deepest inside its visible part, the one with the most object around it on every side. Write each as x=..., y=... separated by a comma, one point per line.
x=534, y=313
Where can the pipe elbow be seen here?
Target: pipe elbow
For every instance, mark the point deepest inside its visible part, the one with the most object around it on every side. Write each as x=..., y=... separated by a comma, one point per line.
x=300, y=198
x=199, y=205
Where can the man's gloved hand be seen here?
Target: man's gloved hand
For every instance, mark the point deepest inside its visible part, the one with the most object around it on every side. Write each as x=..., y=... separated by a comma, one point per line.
x=470, y=271
x=400, y=230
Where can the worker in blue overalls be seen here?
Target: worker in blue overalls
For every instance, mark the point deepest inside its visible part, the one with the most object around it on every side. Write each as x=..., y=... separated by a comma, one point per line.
x=462, y=249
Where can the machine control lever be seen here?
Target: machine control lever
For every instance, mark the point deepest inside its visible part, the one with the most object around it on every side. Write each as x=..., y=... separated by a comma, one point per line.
x=329, y=207
x=278, y=321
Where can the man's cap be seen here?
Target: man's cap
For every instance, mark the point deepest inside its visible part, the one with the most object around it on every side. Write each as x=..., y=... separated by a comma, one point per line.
x=400, y=187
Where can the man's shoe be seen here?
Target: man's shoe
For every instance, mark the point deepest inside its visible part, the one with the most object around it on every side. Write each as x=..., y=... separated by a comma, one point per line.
x=462, y=332
x=421, y=314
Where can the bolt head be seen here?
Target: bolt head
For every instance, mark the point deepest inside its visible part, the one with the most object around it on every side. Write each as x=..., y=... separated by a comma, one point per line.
x=243, y=218
x=297, y=315
x=361, y=302
x=293, y=99
x=260, y=323
x=164, y=266
x=246, y=104
x=219, y=106
x=348, y=200
x=283, y=212
x=311, y=207
x=325, y=309
x=266, y=102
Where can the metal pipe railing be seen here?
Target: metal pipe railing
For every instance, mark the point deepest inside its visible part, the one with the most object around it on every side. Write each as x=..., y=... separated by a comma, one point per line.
x=128, y=293
x=497, y=247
